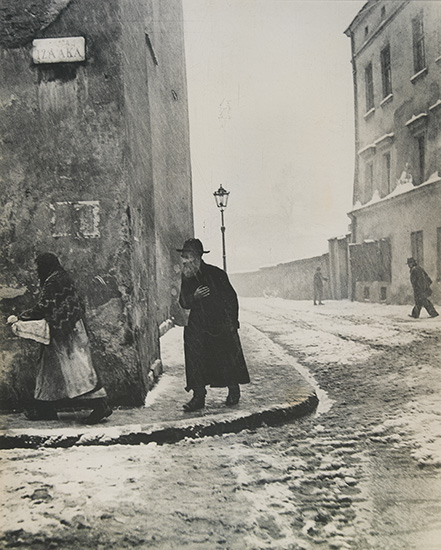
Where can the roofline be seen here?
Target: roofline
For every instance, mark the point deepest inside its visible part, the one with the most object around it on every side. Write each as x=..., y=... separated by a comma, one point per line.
x=428, y=186
x=398, y=6
x=360, y=15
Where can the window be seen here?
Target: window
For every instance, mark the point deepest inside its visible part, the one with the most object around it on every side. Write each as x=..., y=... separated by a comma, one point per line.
x=366, y=31
x=386, y=72
x=421, y=143
x=419, y=57
x=438, y=253
x=369, y=181
x=386, y=174
x=416, y=246
x=369, y=85
x=383, y=12
x=371, y=261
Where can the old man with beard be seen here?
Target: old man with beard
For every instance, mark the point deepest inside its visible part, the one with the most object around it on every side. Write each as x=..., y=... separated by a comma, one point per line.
x=213, y=352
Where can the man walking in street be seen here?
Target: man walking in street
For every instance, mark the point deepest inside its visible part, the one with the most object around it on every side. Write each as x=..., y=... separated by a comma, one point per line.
x=318, y=286
x=421, y=289
x=212, y=348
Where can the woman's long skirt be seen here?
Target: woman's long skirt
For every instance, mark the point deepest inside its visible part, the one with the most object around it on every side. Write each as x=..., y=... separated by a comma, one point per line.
x=65, y=369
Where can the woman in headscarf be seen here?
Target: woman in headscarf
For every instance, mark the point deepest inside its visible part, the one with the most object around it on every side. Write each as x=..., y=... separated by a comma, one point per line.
x=65, y=368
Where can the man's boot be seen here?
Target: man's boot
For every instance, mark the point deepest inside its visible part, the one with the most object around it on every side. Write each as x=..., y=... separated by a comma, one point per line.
x=197, y=402
x=415, y=312
x=431, y=309
x=233, y=395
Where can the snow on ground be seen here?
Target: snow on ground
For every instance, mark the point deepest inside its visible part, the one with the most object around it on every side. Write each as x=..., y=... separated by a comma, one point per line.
x=254, y=489
x=269, y=472
x=72, y=472
x=167, y=382
x=343, y=331
x=273, y=354
x=346, y=333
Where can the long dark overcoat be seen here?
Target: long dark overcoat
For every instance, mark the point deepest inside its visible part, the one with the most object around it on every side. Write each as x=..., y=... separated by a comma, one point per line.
x=421, y=284
x=213, y=352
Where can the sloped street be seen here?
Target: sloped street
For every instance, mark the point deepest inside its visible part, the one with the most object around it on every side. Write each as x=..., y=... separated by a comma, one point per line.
x=362, y=472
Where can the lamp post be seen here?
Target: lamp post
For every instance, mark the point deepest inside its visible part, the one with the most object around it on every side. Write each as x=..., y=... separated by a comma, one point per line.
x=221, y=197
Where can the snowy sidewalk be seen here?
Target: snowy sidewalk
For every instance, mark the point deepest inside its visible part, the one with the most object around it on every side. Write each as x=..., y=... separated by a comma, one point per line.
x=277, y=393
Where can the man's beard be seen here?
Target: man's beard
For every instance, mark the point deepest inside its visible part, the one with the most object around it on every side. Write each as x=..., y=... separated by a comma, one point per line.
x=191, y=268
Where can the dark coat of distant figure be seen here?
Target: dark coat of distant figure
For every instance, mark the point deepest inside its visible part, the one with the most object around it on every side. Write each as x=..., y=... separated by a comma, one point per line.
x=421, y=289
x=318, y=286
x=213, y=352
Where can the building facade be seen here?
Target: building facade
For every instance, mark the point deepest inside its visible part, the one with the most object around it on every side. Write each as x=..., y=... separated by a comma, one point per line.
x=94, y=167
x=396, y=61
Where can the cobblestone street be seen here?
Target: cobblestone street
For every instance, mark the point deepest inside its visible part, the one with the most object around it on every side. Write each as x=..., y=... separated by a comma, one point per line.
x=220, y=275
x=363, y=472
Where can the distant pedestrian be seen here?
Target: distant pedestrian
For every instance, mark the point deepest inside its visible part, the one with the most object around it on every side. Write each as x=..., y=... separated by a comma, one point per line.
x=65, y=367
x=421, y=289
x=318, y=286
x=213, y=352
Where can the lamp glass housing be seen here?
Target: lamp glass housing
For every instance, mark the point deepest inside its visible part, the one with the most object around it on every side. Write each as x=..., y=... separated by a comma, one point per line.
x=221, y=197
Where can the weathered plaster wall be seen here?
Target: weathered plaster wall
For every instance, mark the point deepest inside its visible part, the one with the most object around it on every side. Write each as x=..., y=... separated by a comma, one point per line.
x=76, y=178
x=339, y=277
x=418, y=210
x=393, y=127
x=170, y=137
x=140, y=181
x=21, y=20
x=293, y=280
x=410, y=96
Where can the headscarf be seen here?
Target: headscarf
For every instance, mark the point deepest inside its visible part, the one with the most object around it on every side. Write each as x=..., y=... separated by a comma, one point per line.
x=47, y=263
x=59, y=301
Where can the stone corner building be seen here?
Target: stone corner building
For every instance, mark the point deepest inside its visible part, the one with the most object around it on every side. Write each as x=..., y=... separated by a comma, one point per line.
x=94, y=167
x=396, y=62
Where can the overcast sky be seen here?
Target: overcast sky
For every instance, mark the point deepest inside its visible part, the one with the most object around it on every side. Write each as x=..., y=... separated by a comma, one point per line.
x=271, y=119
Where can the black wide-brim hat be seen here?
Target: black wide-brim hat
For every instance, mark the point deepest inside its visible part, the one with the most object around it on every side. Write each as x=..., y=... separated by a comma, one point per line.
x=193, y=245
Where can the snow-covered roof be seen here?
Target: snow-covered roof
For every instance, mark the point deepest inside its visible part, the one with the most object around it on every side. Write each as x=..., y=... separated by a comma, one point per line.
x=401, y=188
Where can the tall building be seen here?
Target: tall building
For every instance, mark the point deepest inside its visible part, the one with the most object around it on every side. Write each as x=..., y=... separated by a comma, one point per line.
x=396, y=62
x=94, y=167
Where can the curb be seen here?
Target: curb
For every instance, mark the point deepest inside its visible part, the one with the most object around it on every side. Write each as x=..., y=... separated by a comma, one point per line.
x=161, y=433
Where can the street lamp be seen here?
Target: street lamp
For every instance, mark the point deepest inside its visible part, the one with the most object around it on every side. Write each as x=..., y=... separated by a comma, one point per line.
x=221, y=197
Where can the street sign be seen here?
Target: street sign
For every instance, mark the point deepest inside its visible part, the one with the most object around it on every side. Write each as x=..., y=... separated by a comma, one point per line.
x=59, y=50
